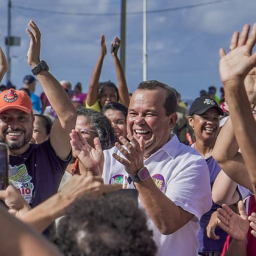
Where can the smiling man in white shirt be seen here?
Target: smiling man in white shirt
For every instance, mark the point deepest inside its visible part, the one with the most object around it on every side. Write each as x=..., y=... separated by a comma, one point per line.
x=172, y=179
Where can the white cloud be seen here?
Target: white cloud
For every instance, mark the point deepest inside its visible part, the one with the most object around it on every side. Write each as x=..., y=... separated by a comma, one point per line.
x=220, y=18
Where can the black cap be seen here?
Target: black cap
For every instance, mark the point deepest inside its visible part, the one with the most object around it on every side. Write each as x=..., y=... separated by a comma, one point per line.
x=202, y=104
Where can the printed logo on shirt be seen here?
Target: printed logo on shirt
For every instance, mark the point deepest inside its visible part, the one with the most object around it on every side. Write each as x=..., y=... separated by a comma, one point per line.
x=119, y=179
x=20, y=178
x=159, y=181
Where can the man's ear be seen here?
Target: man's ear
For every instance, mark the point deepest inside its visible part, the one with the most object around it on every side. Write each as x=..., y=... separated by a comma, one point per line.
x=173, y=119
x=191, y=121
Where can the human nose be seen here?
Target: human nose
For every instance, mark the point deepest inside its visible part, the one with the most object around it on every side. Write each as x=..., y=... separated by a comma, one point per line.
x=13, y=125
x=139, y=120
x=212, y=121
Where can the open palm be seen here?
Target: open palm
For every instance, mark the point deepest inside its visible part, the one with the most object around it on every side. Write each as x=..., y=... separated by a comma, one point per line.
x=92, y=158
x=235, y=225
x=239, y=61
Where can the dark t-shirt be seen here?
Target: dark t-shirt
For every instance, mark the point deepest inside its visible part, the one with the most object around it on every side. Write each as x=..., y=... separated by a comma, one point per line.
x=208, y=244
x=37, y=172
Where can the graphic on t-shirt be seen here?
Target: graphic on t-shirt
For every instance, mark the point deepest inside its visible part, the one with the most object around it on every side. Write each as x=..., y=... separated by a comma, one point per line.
x=119, y=179
x=20, y=178
x=159, y=181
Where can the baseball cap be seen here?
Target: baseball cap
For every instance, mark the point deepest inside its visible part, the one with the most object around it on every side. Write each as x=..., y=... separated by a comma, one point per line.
x=28, y=79
x=15, y=99
x=202, y=104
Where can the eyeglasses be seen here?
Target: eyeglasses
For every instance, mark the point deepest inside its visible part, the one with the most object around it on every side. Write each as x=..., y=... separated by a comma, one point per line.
x=86, y=131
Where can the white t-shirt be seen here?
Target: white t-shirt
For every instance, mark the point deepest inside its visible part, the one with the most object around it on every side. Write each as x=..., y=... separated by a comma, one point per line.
x=182, y=174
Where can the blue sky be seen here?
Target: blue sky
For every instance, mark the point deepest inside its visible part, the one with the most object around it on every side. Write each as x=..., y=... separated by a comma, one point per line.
x=183, y=44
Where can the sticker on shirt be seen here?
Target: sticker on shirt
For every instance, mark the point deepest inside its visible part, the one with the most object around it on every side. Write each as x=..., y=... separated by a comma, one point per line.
x=119, y=179
x=20, y=178
x=159, y=181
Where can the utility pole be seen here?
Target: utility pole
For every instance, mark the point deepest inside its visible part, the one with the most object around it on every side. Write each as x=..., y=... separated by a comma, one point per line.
x=145, y=54
x=8, y=42
x=123, y=34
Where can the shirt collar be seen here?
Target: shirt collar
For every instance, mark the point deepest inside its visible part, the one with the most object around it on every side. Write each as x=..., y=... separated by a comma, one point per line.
x=170, y=147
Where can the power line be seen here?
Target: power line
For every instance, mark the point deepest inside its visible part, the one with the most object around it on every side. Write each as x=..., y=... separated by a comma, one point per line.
x=115, y=13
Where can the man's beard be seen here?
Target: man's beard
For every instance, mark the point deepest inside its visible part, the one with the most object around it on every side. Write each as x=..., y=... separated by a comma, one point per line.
x=14, y=145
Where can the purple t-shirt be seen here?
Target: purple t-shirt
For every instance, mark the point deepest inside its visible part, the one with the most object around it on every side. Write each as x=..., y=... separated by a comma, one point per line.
x=79, y=98
x=37, y=172
x=208, y=244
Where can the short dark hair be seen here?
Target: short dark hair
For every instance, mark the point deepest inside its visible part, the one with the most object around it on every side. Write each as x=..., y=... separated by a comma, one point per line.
x=102, y=85
x=109, y=225
x=46, y=121
x=26, y=90
x=170, y=103
x=101, y=124
x=115, y=106
x=212, y=89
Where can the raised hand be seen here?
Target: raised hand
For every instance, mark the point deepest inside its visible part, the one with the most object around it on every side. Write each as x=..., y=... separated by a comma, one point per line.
x=235, y=225
x=3, y=64
x=103, y=46
x=239, y=61
x=115, y=44
x=91, y=158
x=133, y=152
x=33, y=55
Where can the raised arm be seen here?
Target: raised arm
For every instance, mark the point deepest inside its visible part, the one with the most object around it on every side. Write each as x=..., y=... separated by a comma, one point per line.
x=122, y=85
x=231, y=161
x=58, y=98
x=92, y=94
x=3, y=64
x=237, y=71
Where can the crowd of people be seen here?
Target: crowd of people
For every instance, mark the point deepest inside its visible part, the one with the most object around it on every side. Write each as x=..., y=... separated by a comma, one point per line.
x=109, y=173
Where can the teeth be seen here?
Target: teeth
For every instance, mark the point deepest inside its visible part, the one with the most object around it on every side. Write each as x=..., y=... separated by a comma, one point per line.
x=14, y=133
x=209, y=129
x=141, y=131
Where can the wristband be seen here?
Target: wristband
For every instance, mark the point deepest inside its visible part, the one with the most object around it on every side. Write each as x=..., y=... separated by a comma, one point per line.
x=141, y=175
